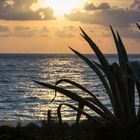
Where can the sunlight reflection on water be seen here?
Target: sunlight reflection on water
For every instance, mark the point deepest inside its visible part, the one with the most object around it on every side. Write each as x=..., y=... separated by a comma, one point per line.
x=22, y=99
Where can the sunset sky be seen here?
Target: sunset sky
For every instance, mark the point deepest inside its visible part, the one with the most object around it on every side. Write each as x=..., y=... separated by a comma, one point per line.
x=50, y=26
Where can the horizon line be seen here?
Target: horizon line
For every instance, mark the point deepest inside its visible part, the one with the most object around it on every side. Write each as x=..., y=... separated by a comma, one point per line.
x=62, y=53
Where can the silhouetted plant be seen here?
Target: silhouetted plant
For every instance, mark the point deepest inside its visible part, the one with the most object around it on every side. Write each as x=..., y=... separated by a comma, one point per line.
x=119, y=82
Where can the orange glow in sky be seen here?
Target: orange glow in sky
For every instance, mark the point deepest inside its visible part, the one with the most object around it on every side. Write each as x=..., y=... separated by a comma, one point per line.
x=50, y=26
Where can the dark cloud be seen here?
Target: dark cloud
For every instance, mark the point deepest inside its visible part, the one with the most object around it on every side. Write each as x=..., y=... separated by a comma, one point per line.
x=91, y=6
x=44, y=32
x=115, y=17
x=66, y=32
x=46, y=13
x=45, y=29
x=129, y=33
x=136, y=4
x=104, y=6
x=4, y=31
x=21, y=28
x=69, y=28
x=23, y=31
x=63, y=34
x=4, y=28
x=20, y=10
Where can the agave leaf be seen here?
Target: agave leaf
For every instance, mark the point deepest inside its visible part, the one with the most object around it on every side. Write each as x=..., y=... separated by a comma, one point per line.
x=122, y=49
x=109, y=117
x=95, y=69
x=130, y=82
x=74, y=96
x=99, y=54
x=118, y=107
x=76, y=85
x=135, y=67
x=106, y=68
x=78, y=110
x=123, y=60
x=138, y=25
x=92, y=100
x=98, y=65
x=80, y=87
x=138, y=89
x=80, y=107
x=131, y=90
x=96, y=101
x=59, y=114
x=113, y=100
x=124, y=104
x=122, y=55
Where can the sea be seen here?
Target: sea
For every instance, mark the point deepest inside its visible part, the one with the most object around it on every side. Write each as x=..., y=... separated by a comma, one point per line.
x=22, y=99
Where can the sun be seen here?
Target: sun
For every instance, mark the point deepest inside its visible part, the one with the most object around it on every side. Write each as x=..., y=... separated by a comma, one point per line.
x=62, y=6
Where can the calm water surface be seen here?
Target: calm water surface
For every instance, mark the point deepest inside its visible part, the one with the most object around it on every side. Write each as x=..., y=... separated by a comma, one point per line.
x=22, y=99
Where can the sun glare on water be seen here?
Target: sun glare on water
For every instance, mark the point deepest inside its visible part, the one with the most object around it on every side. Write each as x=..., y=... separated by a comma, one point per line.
x=62, y=6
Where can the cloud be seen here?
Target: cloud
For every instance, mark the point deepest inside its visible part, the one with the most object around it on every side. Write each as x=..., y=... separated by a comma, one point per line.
x=115, y=17
x=136, y=4
x=66, y=32
x=23, y=31
x=4, y=31
x=91, y=6
x=4, y=28
x=20, y=10
x=128, y=33
x=69, y=28
x=63, y=34
x=46, y=13
x=21, y=28
x=44, y=32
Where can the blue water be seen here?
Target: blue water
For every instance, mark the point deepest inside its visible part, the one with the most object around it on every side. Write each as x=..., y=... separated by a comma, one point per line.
x=22, y=99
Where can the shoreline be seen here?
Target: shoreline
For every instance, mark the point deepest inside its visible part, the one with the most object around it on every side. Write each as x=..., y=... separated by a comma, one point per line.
x=14, y=123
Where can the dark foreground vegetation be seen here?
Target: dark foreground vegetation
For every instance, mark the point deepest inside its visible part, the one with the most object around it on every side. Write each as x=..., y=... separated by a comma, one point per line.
x=86, y=130
x=121, y=83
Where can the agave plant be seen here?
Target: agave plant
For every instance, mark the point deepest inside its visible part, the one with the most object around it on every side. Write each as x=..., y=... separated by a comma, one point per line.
x=119, y=81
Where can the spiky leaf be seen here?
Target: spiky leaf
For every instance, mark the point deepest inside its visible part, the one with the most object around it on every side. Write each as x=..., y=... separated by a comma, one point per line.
x=78, y=110
x=138, y=25
x=96, y=101
x=73, y=96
